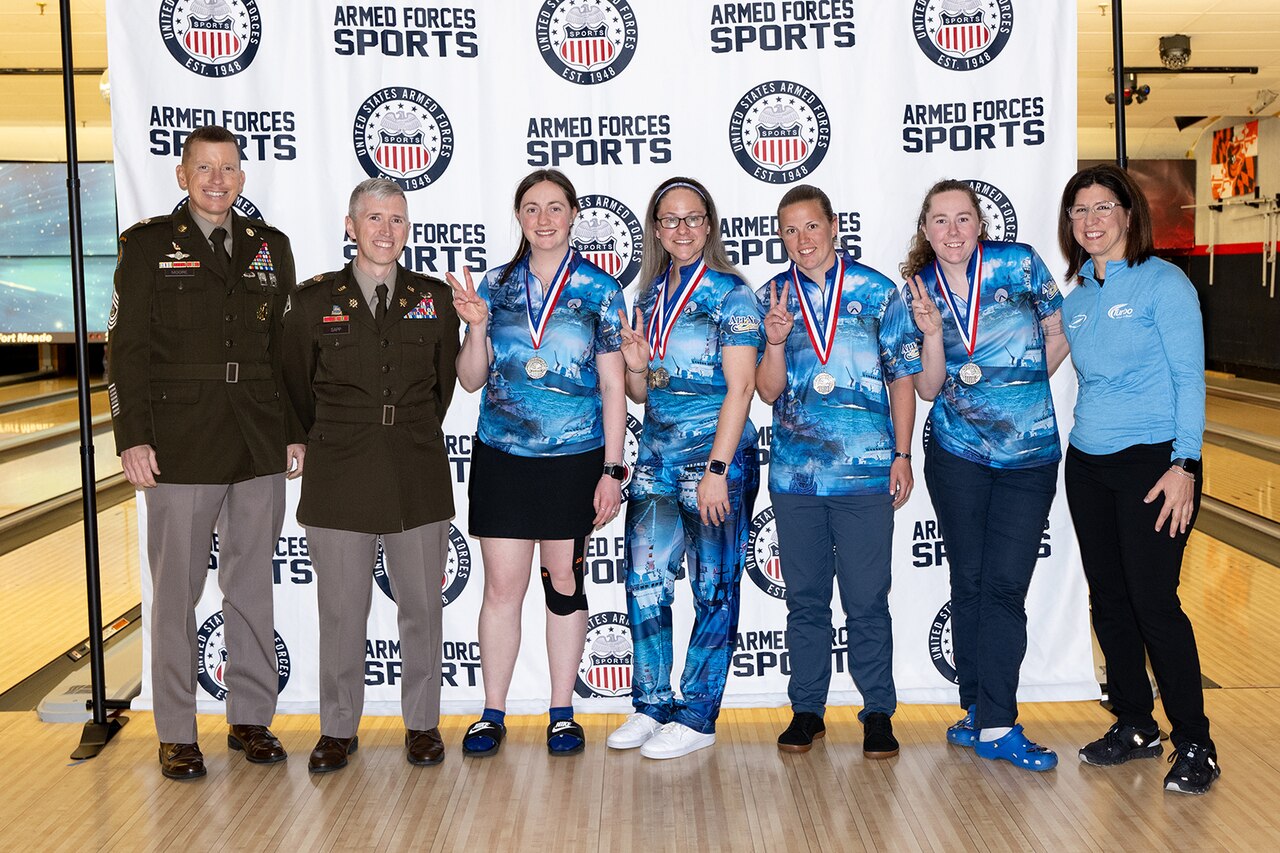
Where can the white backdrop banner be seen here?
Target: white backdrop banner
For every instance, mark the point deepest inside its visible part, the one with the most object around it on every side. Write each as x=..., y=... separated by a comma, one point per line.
x=456, y=100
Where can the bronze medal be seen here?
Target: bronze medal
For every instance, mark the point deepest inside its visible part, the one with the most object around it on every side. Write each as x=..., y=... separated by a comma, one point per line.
x=659, y=378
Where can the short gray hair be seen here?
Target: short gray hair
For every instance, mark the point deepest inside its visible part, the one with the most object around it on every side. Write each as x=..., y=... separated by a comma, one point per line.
x=376, y=187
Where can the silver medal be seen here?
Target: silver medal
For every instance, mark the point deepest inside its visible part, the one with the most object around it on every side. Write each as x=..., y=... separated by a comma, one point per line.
x=536, y=367
x=970, y=373
x=824, y=383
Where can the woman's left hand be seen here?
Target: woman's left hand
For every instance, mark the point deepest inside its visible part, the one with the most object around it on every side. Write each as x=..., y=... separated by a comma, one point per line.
x=713, y=498
x=901, y=481
x=607, y=500
x=1179, y=501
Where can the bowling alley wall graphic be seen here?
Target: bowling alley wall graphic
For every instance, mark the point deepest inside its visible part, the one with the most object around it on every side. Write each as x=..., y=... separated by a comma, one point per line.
x=1233, y=165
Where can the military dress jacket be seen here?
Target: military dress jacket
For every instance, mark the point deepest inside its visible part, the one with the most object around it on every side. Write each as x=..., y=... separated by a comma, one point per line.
x=372, y=401
x=194, y=353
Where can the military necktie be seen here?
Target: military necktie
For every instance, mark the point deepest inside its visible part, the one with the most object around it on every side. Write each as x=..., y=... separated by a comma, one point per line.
x=218, y=237
x=380, y=311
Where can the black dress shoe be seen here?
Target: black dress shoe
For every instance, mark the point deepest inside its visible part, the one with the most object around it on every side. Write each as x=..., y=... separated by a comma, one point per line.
x=259, y=745
x=805, y=728
x=331, y=753
x=877, y=736
x=424, y=748
x=181, y=761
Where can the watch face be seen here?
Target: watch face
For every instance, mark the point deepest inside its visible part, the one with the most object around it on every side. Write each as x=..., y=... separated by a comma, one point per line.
x=715, y=466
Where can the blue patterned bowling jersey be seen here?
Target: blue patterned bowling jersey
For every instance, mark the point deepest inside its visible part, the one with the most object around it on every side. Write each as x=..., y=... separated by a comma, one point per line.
x=1006, y=418
x=680, y=420
x=840, y=442
x=559, y=413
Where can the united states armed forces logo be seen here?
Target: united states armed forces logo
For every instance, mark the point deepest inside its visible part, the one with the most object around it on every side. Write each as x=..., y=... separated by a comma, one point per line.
x=962, y=35
x=607, y=656
x=609, y=235
x=941, y=650
x=457, y=569
x=586, y=41
x=997, y=208
x=779, y=132
x=764, y=566
x=211, y=658
x=403, y=135
x=213, y=38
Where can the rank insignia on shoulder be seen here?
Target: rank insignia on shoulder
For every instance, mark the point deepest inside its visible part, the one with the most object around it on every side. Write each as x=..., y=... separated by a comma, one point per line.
x=424, y=310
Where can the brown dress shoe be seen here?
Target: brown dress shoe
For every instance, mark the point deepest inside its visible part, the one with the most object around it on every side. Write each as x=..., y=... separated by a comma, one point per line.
x=259, y=745
x=424, y=748
x=181, y=761
x=331, y=753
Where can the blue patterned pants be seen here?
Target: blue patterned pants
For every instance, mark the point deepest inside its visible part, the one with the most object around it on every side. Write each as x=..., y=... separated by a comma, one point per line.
x=664, y=529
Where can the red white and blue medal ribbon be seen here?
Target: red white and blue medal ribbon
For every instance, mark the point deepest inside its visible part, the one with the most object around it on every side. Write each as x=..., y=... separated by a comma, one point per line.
x=667, y=311
x=968, y=327
x=821, y=327
x=538, y=324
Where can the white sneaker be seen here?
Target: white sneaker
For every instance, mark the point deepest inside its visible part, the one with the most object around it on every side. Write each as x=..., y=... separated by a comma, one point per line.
x=634, y=732
x=674, y=740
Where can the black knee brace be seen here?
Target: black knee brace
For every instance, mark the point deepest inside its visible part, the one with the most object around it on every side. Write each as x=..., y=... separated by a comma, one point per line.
x=559, y=603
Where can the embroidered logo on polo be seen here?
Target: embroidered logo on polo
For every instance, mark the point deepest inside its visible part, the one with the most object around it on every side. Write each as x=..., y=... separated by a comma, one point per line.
x=605, y=669
x=457, y=569
x=763, y=564
x=779, y=132
x=609, y=235
x=941, y=650
x=586, y=41
x=211, y=658
x=213, y=38
x=997, y=208
x=961, y=35
x=1119, y=312
x=403, y=135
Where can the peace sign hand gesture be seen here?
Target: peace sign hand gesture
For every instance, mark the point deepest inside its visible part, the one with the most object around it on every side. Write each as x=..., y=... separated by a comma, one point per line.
x=778, y=322
x=471, y=309
x=923, y=310
x=635, y=347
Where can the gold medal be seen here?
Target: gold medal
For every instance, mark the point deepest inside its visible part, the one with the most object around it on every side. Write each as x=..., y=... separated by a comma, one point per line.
x=536, y=367
x=824, y=383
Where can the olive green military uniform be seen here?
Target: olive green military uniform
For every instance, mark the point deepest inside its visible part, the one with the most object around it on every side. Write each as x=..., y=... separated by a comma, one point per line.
x=372, y=399
x=195, y=374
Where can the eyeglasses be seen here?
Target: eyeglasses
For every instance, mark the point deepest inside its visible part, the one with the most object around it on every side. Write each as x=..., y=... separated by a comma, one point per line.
x=693, y=220
x=1102, y=210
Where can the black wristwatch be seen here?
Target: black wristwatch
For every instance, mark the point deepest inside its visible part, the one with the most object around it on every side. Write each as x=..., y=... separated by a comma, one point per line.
x=615, y=470
x=1191, y=466
x=715, y=466
x=898, y=454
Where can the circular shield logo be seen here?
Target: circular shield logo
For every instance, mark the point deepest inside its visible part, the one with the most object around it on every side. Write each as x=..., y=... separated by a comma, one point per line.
x=609, y=235
x=457, y=568
x=779, y=132
x=941, y=650
x=211, y=658
x=242, y=206
x=763, y=564
x=403, y=135
x=586, y=41
x=997, y=209
x=213, y=38
x=630, y=453
x=962, y=34
x=605, y=670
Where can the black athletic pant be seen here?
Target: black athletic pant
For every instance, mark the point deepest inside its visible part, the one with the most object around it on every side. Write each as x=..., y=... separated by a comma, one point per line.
x=1133, y=576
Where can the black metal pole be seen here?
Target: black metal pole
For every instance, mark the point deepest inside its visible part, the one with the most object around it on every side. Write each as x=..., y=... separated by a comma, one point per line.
x=1117, y=56
x=99, y=730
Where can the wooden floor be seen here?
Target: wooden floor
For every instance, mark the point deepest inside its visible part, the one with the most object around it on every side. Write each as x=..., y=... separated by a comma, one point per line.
x=740, y=795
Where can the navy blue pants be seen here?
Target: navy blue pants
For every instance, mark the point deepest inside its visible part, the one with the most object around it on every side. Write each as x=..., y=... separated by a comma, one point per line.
x=849, y=538
x=991, y=521
x=1133, y=574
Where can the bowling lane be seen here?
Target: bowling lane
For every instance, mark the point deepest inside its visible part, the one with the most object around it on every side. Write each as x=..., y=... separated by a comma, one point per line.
x=1242, y=480
x=28, y=480
x=35, y=388
x=34, y=419
x=1241, y=415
